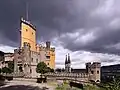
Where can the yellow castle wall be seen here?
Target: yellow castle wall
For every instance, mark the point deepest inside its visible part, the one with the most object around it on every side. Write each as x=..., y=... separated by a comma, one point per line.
x=51, y=62
x=28, y=34
x=52, y=59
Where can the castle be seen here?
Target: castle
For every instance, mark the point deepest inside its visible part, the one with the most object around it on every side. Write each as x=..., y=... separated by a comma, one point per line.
x=92, y=70
x=30, y=53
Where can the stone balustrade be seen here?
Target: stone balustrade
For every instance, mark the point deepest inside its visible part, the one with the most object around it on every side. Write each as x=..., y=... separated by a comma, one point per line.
x=77, y=75
x=13, y=74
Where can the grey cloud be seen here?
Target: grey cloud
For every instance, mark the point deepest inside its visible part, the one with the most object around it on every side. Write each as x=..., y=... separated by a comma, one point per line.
x=54, y=18
x=56, y=15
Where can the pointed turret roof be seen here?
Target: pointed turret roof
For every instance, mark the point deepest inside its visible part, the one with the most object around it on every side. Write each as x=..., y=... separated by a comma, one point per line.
x=66, y=60
x=69, y=58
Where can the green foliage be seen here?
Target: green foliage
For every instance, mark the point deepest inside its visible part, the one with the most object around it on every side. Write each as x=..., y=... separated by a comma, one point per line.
x=65, y=87
x=51, y=70
x=42, y=68
x=6, y=70
x=92, y=87
x=0, y=70
x=58, y=70
x=114, y=85
x=63, y=70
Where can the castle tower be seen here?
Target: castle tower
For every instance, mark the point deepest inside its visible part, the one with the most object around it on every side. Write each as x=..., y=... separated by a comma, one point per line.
x=88, y=65
x=28, y=34
x=26, y=59
x=93, y=71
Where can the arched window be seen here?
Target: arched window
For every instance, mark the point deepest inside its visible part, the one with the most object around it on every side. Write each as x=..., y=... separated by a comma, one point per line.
x=97, y=72
x=32, y=59
x=30, y=70
x=92, y=72
x=36, y=60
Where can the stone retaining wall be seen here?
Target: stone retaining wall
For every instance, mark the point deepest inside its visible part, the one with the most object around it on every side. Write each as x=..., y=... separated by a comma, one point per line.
x=25, y=79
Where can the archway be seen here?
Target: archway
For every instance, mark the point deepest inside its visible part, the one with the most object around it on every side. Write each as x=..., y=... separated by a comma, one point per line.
x=20, y=69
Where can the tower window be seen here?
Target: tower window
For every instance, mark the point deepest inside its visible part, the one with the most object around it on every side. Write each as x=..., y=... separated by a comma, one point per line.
x=92, y=72
x=26, y=30
x=97, y=72
x=48, y=57
x=32, y=33
x=30, y=70
x=36, y=60
x=48, y=63
x=32, y=59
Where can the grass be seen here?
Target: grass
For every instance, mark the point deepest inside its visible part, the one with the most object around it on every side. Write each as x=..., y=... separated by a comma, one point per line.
x=66, y=87
x=92, y=87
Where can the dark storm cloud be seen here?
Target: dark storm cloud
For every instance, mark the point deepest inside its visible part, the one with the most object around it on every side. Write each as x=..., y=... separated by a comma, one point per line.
x=54, y=18
x=10, y=13
x=49, y=16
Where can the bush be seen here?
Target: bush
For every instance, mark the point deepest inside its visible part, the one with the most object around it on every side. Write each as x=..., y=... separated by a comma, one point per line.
x=39, y=80
x=2, y=78
x=78, y=85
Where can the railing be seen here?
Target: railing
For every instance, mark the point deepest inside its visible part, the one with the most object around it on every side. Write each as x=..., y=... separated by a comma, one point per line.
x=76, y=75
x=61, y=75
x=13, y=74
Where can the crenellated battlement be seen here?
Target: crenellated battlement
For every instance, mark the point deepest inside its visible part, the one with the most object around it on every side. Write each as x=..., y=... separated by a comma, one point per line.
x=28, y=23
x=96, y=65
x=52, y=49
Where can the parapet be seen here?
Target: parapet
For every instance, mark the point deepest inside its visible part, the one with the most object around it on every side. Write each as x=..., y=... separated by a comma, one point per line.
x=26, y=44
x=42, y=48
x=53, y=49
x=48, y=44
x=17, y=51
x=28, y=23
x=96, y=65
x=89, y=63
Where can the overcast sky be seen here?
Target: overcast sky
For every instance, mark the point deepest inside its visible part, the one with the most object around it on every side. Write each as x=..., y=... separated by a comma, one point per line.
x=87, y=29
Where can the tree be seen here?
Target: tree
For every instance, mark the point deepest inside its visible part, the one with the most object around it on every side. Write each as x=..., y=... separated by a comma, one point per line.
x=58, y=70
x=63, y=70
x=42, y=68
x=113, y=85
x=5, y=70
x=51, y=70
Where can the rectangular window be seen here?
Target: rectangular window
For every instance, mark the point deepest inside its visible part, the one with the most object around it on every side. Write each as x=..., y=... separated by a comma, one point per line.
x=30, y=70
x=48, y=57
x=97, y=72
x=92, y=72
x=36, y=60
x=32, y=59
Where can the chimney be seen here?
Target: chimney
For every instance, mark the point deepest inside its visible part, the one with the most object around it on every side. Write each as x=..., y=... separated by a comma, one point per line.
x=48, y=44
